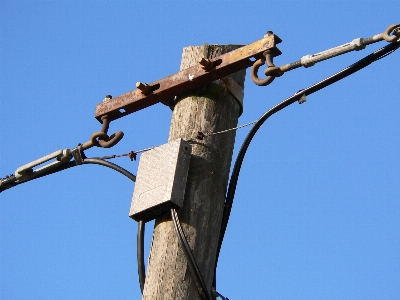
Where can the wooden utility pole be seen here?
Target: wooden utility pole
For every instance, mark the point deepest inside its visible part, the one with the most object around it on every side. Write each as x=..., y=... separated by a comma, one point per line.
x=213, y=108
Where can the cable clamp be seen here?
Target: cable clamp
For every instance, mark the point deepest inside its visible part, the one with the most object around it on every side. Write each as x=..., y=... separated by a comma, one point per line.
x=302, y=99
x=77, y=154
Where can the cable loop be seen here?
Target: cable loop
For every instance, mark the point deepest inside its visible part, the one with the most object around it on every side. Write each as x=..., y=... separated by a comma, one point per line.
x=369, y=59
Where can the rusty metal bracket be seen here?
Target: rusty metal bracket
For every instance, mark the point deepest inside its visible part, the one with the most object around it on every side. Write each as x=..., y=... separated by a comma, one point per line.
x=204, y=72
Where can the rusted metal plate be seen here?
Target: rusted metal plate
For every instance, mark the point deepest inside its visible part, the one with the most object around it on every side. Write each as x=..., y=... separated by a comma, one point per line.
x=164, y=89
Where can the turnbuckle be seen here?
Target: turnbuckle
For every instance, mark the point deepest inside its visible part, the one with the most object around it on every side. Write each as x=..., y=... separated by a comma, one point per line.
x=391, y=35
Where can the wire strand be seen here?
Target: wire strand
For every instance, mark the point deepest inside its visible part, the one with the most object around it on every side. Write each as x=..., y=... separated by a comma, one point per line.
x=141, y=224
x=230, y=129
x=130, y=154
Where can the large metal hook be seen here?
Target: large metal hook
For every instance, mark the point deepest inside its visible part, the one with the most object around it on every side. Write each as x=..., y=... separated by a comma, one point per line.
x=108, y=141
x=101, y=138
x=272, y=71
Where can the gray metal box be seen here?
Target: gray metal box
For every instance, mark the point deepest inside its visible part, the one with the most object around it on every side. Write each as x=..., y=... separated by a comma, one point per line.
x=161, y=180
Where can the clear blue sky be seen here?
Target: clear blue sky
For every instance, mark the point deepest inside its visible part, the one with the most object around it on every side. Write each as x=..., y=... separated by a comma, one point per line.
x=316, y=213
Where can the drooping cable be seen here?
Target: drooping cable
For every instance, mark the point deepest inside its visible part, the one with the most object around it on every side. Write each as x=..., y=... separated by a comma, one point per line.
x=235, y=173
x=111, y=166
x=141, y=224
x=194, y=269
x=73, y=164
x=308, y=91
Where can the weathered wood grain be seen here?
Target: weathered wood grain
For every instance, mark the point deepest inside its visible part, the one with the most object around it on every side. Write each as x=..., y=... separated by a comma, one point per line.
x=211, y=109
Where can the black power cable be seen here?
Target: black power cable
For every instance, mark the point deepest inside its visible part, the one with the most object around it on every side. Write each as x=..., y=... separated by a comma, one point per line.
x=193, y=267
x=98, y=161
x=140, y=255
x=71, y=164
x=234, y=177
x=308, y=91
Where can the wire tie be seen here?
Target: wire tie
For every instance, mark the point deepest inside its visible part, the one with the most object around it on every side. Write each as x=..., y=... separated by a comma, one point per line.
x=132, y=155
x=302, y=99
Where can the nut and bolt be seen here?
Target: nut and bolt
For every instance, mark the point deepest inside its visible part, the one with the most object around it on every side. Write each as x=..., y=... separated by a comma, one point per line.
x=107, y=97
x=143, y=87
x=206, y=64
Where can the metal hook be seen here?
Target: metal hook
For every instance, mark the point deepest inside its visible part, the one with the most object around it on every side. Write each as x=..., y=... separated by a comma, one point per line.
x=271, y=72
x=101, y=138
x=254, y=76
x=108, y=141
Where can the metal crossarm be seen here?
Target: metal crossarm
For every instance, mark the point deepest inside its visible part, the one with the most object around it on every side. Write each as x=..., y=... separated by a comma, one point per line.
x=204, y=72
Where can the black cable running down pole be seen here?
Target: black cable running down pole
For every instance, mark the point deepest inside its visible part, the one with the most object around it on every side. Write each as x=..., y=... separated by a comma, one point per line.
x=140, y=255
x=193, y=267
x=308, y=91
